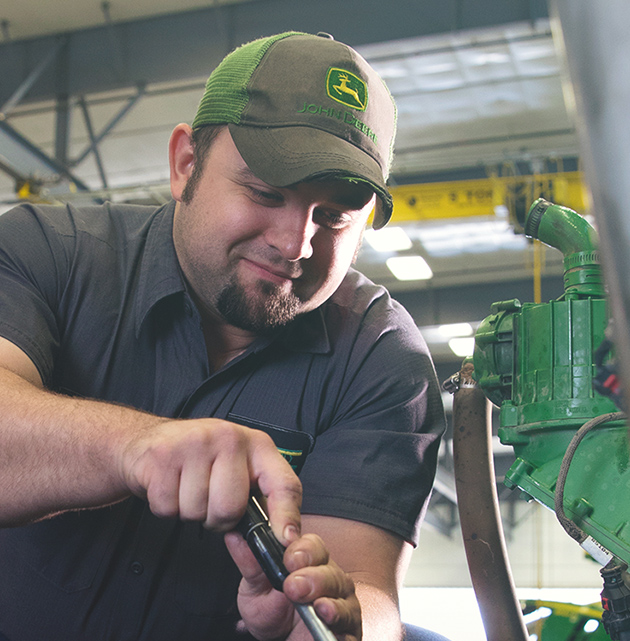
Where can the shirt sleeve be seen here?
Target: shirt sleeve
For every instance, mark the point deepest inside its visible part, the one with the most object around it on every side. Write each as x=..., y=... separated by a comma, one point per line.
x=31, y=262
x=375, y=462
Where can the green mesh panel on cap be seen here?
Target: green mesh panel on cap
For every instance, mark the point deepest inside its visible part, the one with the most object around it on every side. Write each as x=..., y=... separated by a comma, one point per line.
x=226, y=95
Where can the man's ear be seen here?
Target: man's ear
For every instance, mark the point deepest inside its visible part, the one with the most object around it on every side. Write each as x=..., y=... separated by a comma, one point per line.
x=181, y=159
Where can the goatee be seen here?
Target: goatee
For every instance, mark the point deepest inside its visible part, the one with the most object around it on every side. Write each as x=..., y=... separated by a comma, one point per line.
x=261, y=314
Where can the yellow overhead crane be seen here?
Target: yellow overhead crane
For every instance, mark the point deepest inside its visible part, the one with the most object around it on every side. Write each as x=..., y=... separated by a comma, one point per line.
x=496, y=195
x=459, y=199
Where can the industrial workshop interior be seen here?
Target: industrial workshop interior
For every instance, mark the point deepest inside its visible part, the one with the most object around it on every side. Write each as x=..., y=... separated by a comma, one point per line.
x=508, y=245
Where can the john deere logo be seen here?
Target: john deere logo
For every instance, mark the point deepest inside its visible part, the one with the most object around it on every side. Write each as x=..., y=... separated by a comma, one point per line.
x=346, y=88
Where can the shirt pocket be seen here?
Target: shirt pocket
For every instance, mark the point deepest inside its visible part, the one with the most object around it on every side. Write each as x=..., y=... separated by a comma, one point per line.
x=294, y=445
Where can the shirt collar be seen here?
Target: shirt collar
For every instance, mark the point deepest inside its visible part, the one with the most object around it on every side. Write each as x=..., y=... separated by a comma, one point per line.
x=160, y=275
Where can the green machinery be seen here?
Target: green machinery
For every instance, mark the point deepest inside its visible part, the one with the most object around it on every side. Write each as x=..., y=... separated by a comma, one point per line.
x=565, y=621
x=536, y=362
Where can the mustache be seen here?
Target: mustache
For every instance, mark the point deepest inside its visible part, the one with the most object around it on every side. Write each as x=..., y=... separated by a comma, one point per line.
x=271, y=261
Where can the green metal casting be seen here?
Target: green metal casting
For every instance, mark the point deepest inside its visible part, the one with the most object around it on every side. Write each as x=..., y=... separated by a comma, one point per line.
x=566, y=621
x=535, y=362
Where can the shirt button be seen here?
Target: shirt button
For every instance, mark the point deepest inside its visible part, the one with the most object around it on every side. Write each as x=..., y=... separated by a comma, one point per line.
x=137, y=568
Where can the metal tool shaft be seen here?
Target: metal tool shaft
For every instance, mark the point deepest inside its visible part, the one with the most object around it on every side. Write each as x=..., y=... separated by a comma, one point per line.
x=269, y=552
x=319, y=630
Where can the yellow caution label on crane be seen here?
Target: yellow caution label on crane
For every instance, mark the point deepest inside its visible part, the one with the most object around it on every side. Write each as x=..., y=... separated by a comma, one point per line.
x=459, y=199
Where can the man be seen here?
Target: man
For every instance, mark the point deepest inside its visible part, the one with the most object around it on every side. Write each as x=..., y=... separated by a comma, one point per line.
x=159, y=366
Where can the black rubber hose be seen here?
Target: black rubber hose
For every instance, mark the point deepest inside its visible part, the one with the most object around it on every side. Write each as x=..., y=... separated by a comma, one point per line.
x=479, y=514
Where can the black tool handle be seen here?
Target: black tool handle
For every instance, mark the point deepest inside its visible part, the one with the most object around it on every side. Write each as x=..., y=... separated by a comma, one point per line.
x=269, y=552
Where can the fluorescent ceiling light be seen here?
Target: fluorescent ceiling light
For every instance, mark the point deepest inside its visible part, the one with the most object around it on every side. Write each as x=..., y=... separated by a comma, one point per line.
x=454, y=330
x=462, y=346
x=441, y=334
x=470, y=238
x=437, y=67
x=488, y=58
x=389, y=239
x=392, y=70
x=409, y=268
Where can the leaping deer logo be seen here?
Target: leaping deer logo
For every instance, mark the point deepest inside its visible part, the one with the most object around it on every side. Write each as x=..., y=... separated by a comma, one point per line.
x=346, y=88
x=343, y=88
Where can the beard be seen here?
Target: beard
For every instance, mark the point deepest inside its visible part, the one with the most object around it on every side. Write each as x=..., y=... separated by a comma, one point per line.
x=263, y=314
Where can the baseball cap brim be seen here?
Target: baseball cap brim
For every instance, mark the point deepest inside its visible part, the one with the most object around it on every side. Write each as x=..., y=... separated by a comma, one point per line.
x=283, y=156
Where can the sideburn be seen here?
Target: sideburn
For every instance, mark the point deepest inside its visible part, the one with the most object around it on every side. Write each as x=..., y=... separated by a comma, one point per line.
x=201, y=139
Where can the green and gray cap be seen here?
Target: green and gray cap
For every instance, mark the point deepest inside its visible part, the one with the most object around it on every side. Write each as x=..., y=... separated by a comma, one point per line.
x=302, y=107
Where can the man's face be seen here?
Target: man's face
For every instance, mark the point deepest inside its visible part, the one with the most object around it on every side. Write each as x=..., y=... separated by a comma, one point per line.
x=259, y=255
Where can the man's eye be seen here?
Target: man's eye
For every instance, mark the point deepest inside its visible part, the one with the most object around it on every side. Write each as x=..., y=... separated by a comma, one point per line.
x=333, y=219
x=265, y=197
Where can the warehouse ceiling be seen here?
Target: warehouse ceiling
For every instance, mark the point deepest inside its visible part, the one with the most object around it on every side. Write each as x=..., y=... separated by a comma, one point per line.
x=90, y=91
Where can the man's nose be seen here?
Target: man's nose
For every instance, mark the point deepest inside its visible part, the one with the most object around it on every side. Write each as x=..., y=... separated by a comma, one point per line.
x=291, y=233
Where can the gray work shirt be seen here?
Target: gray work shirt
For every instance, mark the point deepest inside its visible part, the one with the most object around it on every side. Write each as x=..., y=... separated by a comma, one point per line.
x=95, y=297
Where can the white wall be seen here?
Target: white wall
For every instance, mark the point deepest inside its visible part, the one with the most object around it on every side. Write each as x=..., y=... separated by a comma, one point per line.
x=541, y=555
x=546, y=564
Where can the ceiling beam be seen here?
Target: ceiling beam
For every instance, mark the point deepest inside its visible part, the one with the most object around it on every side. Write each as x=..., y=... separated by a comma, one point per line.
x=24, y=161
x=33, y=76
x=190, y=44
x=95, y=140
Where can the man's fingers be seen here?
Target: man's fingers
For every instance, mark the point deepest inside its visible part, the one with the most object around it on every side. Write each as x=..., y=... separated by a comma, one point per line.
x=312, y=582
x=163, y=493
x=206, y=469
x=194, y=491
x=343, y=616
x=283, y=500
x=246, y=561
x=306, y=551
x=333, y=595
x=313, y=574
x=314, y=578
x=230, y=487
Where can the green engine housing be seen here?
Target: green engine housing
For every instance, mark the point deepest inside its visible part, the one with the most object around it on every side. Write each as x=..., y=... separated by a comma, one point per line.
x=536, y=363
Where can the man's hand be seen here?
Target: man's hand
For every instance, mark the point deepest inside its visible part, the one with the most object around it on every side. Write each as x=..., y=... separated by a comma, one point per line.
x=205, y=469
x=314, y=578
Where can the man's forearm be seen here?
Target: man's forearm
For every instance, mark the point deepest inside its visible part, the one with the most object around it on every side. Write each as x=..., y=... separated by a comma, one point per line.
x=56, y=452
x=380, y=614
